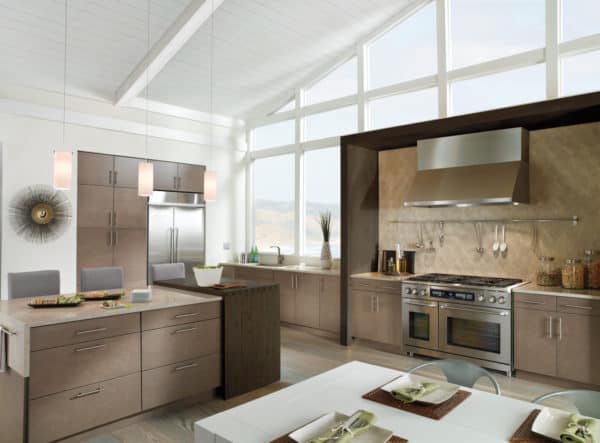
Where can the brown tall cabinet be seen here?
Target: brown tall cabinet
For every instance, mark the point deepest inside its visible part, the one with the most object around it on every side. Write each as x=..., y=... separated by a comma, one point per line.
x=112, y=218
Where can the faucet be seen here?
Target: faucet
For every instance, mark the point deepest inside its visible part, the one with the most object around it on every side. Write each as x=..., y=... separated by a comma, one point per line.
x=279, y=256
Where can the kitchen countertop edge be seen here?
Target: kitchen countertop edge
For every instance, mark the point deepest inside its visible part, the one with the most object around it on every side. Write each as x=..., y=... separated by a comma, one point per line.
x=532, y=288
x=288, y=268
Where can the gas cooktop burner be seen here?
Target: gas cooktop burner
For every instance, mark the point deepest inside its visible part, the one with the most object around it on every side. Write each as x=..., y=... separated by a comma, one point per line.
x=467, y=280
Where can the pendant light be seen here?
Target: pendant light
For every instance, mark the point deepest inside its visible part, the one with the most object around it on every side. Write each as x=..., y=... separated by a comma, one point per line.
x=63, y=160
x=145, y=167
x=210, y=177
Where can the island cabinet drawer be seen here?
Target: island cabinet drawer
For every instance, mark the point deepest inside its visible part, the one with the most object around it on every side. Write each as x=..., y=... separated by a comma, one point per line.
x=578, y=306
x=174, y=382
x=535, y=301
x=180, y=315
x=44, y=337
x=59, y=369
x=390, y=286
x=70, y=412
x=364, y=284
x=165, y=346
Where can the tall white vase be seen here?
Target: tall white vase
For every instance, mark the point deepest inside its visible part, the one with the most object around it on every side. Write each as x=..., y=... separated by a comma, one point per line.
x=325, y=256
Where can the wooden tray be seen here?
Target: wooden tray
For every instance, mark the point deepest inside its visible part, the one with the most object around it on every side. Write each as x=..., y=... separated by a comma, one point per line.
x=110, y=296
x=435, y=412
x=286, y=439
x=54, y=305
x=524, y=434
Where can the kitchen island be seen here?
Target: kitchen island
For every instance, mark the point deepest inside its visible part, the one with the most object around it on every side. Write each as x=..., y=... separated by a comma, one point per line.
x=251, y=335
x=72, y=369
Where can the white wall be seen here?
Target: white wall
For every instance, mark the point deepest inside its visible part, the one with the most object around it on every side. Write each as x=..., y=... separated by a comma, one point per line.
x=28, y=144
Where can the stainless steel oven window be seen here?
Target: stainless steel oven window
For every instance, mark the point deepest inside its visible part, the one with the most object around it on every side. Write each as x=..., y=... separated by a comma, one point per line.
x=474, y=334
x=419, y=326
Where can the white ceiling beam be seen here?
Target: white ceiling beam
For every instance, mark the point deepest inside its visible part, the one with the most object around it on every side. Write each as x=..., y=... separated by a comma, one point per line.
x=174, y=38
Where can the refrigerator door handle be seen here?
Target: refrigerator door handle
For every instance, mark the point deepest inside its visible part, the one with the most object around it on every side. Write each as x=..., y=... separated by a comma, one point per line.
x=171, y=245
x=176, y=255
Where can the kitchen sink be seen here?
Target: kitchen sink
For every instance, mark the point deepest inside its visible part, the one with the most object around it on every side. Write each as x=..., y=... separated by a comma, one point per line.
x=272, y=266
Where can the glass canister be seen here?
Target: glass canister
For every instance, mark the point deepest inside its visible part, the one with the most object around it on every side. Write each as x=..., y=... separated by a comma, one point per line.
x=573, y=274
x=548, y=274
x=591, y=264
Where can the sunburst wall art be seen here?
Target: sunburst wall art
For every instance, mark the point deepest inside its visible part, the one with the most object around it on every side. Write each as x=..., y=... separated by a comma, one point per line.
x=40, y=214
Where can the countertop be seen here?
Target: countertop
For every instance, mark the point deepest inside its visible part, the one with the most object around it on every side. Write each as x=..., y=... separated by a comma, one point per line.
x=288, y=268
x=557, y=291
x=381, y=276
x=18, y=311
x=189, y=284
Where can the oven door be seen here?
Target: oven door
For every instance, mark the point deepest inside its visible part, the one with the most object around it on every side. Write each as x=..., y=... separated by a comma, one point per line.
x=476, y=332
x=420, y=323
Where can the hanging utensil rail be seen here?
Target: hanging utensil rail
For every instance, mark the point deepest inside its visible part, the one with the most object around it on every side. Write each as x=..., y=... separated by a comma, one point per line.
x=574, y=219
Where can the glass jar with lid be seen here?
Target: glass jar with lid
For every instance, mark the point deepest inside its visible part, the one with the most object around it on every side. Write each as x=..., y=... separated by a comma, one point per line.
x=548, y=273
x=573, y=273
x=591, y=264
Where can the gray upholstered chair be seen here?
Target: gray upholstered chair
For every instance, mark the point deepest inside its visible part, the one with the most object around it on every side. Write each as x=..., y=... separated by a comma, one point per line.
x=460, y=372
x=97, y=279
x=33, y=284
x=586, y=402
x=168, y=271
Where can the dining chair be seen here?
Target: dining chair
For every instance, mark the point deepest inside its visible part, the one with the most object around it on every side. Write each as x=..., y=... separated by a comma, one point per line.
x=168, y=271
x=96, y=279
x=460, y=372
x=587, y=402
x=33, y=284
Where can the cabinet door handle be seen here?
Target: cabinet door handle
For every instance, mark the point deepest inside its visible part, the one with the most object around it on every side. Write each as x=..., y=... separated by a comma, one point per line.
x=549, y=327
x=110, y=180
x=184, y=330
x=587, y=308
x=371, y=310
x=175, y=182
x=377, y=303
x=87, y=394
x=187, y=314
x=109, y=219
x=115, y=177
x=293, y=282
x=115, y=238
x=114, y=217
x=90, y=348
x=178, y=182
x=560, y=331
x=90, y=331
x=181, y=368
x=529, y=302
x=109, y=241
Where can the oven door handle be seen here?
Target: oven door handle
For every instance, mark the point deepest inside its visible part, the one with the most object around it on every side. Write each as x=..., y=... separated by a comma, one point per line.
x=416, y=303
x=501, y=313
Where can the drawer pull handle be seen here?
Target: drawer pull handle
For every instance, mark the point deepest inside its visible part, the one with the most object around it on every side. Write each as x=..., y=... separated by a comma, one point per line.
x=90, y=348
x=90, y=331
x=189, y=314
x=182, y=331
x=181, y=368
x=588, y=308
x=87, y=394
x=389, y=287
x=529, y=302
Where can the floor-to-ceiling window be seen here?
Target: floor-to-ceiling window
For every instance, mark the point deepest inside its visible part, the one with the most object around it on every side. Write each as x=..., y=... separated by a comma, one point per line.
x=439, y=58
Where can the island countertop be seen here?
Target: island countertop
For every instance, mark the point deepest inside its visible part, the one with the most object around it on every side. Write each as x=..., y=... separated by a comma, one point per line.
x=189, y=284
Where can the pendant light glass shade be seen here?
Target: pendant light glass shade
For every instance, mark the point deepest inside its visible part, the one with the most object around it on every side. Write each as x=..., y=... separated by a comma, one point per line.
x=145, y=179
x=210, y=186
x=63, y=169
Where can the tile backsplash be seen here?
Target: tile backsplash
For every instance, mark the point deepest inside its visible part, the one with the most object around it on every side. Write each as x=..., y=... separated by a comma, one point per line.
x=564, y=181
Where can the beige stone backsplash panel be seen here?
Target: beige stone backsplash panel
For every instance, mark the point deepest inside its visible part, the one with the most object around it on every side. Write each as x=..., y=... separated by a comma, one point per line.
x=564, y=181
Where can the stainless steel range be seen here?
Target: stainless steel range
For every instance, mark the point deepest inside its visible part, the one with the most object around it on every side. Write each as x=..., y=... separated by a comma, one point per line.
x=459, y=315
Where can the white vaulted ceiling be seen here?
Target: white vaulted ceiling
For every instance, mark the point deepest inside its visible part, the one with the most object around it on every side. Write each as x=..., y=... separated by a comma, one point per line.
x=262, y=48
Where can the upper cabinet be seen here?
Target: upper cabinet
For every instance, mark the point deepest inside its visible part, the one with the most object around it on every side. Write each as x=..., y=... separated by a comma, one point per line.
x=125, y=174
x=178, y=177
x=95, y=169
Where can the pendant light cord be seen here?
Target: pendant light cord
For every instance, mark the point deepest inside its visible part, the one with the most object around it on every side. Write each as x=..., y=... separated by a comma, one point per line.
x=147, y=78
x=212, y=63
x=65, y=77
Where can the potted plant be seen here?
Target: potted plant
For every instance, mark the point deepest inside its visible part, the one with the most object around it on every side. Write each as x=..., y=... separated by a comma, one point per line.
x=325, y=223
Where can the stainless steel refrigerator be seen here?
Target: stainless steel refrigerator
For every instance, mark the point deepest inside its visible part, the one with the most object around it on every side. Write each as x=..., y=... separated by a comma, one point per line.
x=176, y=229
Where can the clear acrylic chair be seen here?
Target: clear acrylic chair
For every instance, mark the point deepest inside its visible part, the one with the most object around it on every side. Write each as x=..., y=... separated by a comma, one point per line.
x=585, y=401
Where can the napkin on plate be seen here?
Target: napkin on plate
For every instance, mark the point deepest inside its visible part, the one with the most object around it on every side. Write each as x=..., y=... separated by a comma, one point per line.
x=413, y=393
x=579, y=430
x=364, y=422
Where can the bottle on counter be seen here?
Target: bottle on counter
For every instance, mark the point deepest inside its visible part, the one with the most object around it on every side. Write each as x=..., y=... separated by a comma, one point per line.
x=548, y=274
x=573, y=274
x=591, y=263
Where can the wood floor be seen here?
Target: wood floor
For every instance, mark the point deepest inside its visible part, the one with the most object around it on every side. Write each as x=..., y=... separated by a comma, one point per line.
x=303, y=355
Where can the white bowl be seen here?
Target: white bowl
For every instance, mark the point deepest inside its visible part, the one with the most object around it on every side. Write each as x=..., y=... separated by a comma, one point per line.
x=208, y=277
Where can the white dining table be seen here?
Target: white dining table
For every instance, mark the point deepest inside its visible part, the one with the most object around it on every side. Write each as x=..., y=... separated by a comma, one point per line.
x=482, y=418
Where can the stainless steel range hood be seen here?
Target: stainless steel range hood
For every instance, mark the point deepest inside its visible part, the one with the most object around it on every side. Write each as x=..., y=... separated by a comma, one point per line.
x=483, y=168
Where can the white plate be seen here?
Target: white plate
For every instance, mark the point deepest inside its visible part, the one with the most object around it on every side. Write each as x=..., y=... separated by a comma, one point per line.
x=321, y=425
x=551, y=422
x=443, y=393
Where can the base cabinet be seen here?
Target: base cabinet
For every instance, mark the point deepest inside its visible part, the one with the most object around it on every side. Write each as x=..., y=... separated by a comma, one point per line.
x=535, y=348
x=329, y=304
x=307, y=300
x=287, y=296
x=577, y=352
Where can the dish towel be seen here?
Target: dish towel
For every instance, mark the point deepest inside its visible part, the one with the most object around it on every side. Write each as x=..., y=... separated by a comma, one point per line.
x=414, y=393
x=344, y=435
x=579, y=430
x=3, y=350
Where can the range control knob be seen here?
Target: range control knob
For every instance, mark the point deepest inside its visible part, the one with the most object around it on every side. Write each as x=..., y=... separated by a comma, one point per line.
x=423, y=292
x=481, y=298
x=492, y=299
x=501, y=299
x=408, y=291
